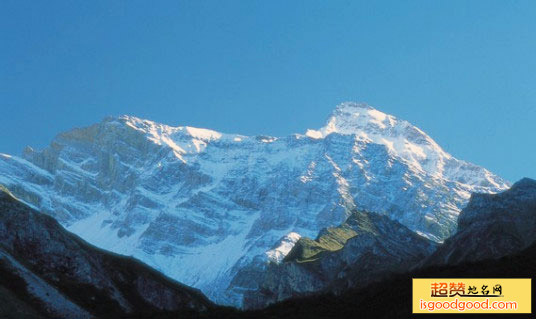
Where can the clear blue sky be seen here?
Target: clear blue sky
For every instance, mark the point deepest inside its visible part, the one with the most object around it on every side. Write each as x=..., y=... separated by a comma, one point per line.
x=463, y=71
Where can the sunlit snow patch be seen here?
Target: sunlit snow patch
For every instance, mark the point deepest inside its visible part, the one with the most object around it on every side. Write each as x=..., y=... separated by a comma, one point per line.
x=283, y=247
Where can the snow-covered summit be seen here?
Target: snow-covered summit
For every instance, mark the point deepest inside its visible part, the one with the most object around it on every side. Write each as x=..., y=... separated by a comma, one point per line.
x=402, y=140
x=157, y=130
x=371, y=125
x=352, y=118
x=210, y=209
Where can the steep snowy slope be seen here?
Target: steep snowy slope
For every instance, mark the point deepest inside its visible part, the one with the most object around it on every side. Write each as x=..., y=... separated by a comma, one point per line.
x=45, y=269
x=201, y=205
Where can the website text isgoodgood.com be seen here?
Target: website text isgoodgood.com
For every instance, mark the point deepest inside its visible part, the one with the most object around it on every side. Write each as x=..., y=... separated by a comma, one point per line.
x=462, y=305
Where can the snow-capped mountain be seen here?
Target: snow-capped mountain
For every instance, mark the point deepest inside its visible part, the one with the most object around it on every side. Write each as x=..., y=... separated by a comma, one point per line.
x=202, y=206
x=47, y=272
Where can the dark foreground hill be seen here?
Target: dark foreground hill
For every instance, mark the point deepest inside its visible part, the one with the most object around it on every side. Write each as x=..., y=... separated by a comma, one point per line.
x=47, y=272
x=391, y=298
x=362, y=250
x=495, y=238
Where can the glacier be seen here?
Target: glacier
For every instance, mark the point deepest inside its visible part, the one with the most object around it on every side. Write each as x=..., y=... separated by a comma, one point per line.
x=211, y=209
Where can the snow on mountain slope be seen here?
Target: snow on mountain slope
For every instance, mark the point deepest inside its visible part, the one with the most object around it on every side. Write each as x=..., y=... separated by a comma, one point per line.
x=202, y=206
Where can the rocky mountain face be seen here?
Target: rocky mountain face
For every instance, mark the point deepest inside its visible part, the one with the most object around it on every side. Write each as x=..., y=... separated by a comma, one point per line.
x=46, y=271
x=203, y=207
x=366, y=248
x=496, y=239
x=369, y=247
x=389, y=298
x=492, y=226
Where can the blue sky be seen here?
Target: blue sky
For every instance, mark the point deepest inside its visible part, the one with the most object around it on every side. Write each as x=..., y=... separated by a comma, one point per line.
x=463, y=71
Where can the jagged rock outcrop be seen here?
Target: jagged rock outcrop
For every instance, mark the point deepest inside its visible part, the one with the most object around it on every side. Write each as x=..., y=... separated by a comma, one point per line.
x=364, y=249
x=492, y=226
x=47, y=272
x=204, y=207
x=496, y=239
x=389, y=298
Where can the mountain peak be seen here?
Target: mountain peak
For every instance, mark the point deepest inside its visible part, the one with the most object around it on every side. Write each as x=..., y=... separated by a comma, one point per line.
x=370, y=124
x=204, y=208
x=155, y=130
x=400, y=138
x=352, y=117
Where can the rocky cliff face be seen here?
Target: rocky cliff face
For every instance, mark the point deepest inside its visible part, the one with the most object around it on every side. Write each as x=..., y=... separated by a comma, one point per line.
x=364, y=249
x=389, y=298
x=492, y=226
x=46, y=271
x=202, y=206
x=496, y=239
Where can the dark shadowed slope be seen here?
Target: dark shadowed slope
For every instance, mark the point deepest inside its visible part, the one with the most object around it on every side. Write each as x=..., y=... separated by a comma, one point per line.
x=391, y=298
x=492, y=226
x=364, y=249
x=496, y=238
x=46, y=271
